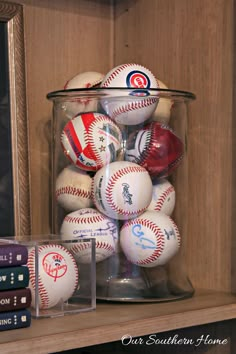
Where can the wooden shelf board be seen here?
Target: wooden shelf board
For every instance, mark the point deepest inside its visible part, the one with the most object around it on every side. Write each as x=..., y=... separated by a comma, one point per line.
x=111, y=321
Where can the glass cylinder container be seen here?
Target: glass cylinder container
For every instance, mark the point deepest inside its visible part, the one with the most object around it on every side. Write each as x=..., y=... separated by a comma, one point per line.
x=120, y=175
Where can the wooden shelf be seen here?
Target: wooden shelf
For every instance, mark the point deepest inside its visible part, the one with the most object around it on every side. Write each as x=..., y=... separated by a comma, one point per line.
x=111, y=321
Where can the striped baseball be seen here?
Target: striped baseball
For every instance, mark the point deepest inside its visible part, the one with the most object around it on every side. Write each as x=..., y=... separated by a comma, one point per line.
x=150, y=240
x=134, y=106
x=91, y=141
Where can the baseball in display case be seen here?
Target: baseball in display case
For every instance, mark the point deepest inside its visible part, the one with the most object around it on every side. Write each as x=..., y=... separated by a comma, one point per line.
x=58, y=284
x=120, y=176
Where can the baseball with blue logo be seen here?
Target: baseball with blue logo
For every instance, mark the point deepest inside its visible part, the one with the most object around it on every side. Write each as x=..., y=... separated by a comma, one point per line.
x=150, y=240
x=136, y=104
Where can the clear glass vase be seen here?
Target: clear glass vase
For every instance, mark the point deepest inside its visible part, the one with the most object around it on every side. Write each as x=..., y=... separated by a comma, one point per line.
x=120, y=175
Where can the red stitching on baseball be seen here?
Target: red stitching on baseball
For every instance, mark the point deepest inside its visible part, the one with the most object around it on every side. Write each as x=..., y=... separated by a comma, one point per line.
x=133, y=105
x=160, y=239
x=163, y=197
x=139, y=159
x=78, y=192
x=84, y=219
x=31, y=265
x=104, y=245
x=176, y=232
x=109, y=190
x=78, y=247
x=118, y=70
x=89, y=138
x=43, y=295
x=87, y=85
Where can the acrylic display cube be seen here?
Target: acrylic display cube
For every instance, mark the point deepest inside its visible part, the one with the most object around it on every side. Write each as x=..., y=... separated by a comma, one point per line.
x=59, y=285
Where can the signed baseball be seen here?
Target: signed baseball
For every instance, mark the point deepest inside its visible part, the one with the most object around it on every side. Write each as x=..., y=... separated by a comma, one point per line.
x=57, y=275
x=150, y=240
x=163, y=197
x=90, y=223
x=155, y=147
x=130, y=107
x=73, y=189
x=75, y=105
x=91, y=141
x=122, y=190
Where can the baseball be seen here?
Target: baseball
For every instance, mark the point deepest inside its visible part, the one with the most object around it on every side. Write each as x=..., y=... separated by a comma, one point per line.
x=91, y=141
x=130, y=107
x=163, y=197
x=122, y=190
x=150, y=240
x=57, y=275
x=162, y=112
x=73, y=189
x=90, y=223
x=75, y=105
x=155, y=147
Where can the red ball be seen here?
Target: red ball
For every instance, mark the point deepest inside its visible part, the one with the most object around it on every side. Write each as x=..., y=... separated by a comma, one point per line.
x=155, y=147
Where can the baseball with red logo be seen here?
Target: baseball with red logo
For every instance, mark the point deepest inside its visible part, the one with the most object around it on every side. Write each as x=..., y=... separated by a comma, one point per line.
x=135, y=105
x=55, y=278
x=155, y=147
x=91, y=141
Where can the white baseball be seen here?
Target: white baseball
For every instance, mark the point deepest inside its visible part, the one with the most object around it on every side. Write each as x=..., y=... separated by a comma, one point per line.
x=150, y=240
x=76, y=105
x=122, y=190
x=162, y=112
x=130, y=107
x=90, y=223
x=57, y=275
x=73, y=189
x=91, y=140
x=163, y=197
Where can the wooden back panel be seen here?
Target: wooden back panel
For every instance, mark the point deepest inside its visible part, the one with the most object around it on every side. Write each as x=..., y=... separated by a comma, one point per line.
x=189, y=46
x=62, y=38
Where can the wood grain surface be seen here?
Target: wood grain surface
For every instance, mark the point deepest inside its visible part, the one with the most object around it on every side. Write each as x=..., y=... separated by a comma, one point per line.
x=189, y=46
x=111, y=321
x=62, y=38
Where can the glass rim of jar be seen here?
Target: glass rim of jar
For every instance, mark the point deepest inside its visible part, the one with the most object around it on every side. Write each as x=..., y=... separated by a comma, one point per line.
x=119, y=92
